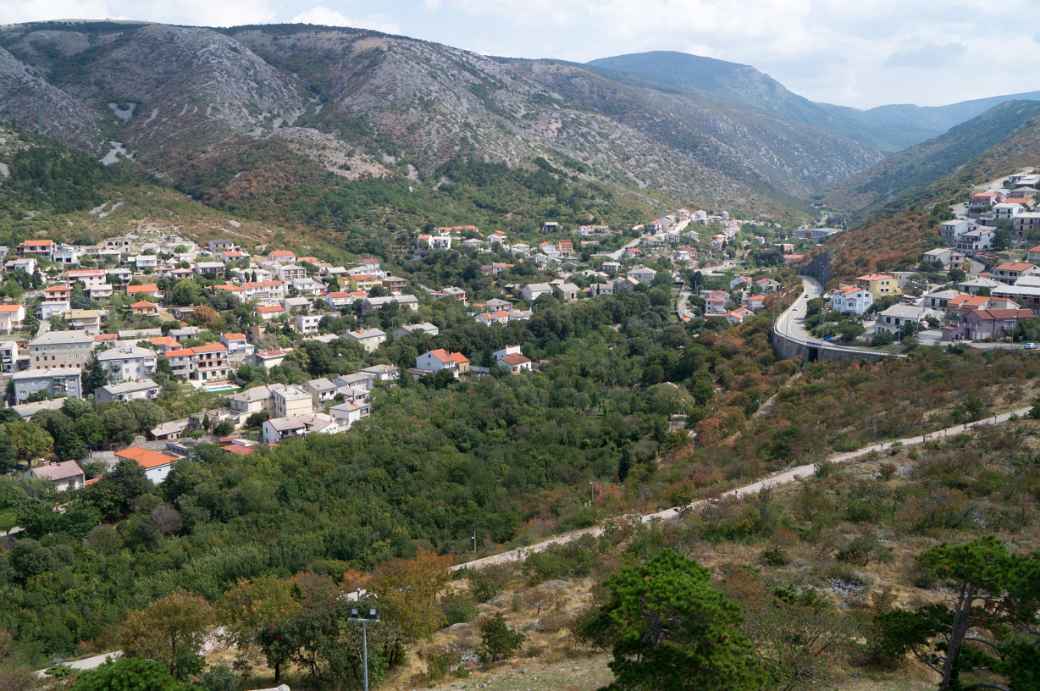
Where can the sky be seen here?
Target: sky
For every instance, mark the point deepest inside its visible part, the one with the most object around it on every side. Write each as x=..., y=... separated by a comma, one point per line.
x=860, y=53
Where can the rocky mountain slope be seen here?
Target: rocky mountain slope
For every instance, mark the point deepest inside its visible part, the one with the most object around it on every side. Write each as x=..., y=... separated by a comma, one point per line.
x=889, y=128
x=904, y=178
x=255, y=106
x=895, y=236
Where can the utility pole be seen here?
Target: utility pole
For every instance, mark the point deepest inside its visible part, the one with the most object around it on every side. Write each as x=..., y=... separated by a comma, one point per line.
x=364, y=619
x=473, y=538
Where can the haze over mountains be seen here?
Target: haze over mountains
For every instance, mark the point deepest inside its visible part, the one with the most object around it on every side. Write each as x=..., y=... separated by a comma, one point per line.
x=249, y=107
x=889, y=128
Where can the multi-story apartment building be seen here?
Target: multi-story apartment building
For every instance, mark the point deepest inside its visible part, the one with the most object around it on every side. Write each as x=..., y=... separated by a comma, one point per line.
x=127, y=363
x=61, y=349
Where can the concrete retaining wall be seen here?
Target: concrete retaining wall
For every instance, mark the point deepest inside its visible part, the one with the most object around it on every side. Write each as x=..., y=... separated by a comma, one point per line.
x=787, y=347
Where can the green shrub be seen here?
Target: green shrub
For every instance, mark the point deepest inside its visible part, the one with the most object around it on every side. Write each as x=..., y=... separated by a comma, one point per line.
x=498, y=640
x=440, y=663
x=774, y=555
x=459, y=608
x=574, y=559
x=862, y=550
x=486, y=583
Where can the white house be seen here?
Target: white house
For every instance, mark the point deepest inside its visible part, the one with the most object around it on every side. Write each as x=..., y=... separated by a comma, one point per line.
x=277, y=429
x=644, y=274
x=321, y=390
x=533, y=291
x=144, y=390
x=1006, y=211
x=307, y=323
x=440, y=359
x=347, y=414
x=291, y=401
x=8, y=356
x=427, y=241
x=156, y=465
x=127, y=363
x=11, y=318
x=851, y=300
x=63, y=476
x=513, y=359
x=420, y=329
x=899, y=316
x=369, y=339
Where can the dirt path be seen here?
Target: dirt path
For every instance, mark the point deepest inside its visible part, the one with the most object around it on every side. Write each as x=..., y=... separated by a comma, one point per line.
x=782, y=478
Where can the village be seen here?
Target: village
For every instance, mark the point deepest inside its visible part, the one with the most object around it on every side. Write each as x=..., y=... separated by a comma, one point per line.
x=980, y=286
x=151, y=316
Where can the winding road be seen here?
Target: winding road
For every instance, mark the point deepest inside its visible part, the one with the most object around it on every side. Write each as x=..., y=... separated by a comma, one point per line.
x=791, y=323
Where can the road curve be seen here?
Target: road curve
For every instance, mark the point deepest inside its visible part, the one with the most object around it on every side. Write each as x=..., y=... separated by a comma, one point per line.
x=784, y=477
x=790, y=325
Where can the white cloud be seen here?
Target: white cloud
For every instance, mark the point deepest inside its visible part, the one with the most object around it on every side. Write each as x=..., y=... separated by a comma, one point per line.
x=326, y=16
x=12, y=11
x=201, y=12
x=191, y=12
x=855, y=52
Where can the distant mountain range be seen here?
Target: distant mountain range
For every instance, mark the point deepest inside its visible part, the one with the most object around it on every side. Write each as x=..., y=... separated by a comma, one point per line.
x=889, y=128
x=252, y=110
x=906, y=177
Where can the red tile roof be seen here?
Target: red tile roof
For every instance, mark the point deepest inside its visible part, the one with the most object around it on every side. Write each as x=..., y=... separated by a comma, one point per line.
x=146, y=458
x=143, y=288
x=1001, y=314
x=209, y=348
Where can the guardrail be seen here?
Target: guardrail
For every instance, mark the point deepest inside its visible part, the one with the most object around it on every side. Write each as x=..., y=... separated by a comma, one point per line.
x=812, y=350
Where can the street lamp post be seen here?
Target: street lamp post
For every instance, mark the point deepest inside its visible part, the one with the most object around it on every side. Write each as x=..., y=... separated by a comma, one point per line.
x=364, y=619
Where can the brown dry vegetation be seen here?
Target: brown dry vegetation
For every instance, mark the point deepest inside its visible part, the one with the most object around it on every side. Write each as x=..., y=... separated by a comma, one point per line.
x=882, y=245
x=848, y=537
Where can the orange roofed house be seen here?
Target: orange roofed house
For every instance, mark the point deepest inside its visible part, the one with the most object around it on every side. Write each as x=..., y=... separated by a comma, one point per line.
x=199, y=365
x=156, y=465
x=282, y=256
x=879, y=285
x=440, y=359
x=37, y=248
x=1009, y=272
x=11, y=317
x=145, y=308
x=144, y=290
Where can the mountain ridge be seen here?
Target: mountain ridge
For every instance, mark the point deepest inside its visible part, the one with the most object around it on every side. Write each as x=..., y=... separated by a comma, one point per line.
x=905, y=178
x=889, y=127
x=358, y=104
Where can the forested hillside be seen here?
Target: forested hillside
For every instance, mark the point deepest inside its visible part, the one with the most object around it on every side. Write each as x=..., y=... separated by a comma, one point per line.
x=37, y=175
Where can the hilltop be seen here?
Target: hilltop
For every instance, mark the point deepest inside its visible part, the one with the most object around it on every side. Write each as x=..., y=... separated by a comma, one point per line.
x=295, y=101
